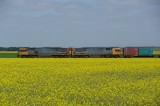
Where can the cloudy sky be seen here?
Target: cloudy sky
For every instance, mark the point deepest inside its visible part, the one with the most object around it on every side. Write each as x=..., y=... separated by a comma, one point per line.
x=79, y=23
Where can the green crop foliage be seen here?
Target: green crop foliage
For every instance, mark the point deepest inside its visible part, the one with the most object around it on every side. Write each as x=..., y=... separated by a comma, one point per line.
x=88, y=82
x=8, y=54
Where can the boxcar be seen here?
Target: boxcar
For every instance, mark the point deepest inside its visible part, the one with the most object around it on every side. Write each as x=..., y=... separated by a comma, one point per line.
x=130, y=52
x=92, y=52
x=145, y=51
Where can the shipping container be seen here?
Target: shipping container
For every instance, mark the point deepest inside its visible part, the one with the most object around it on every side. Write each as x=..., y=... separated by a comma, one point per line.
x=156, y=51
x=130, y=52
x=145, y=51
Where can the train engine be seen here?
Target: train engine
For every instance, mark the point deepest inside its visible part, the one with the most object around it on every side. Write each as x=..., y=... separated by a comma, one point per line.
x=92, y=52
x=44, y=52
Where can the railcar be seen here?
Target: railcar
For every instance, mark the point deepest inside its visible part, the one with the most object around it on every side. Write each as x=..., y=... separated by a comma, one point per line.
x=145, y=52
x=117, y=52
x=156, y=52
x=44, y=52
x=130, y=52
x=23, y=52
x=92, y=52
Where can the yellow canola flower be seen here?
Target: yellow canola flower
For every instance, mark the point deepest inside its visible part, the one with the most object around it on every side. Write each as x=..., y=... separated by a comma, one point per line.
x=73, y=82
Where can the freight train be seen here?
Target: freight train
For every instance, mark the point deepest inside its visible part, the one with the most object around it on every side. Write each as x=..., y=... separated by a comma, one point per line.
x=106, y=52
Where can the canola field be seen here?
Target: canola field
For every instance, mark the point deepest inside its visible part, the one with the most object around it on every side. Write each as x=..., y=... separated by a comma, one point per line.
x=87, y=82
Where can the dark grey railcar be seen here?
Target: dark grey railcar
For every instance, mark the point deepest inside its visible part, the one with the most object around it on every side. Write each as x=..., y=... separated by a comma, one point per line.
x=32, y=51
x=46, y=51
x=93, y=52
x=53, y=52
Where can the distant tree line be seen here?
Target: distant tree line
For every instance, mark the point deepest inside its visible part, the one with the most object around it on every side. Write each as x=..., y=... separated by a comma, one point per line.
x=16, y=48
x=8, y=48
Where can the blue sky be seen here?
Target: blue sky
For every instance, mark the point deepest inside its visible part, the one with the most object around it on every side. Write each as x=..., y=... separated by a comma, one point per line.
x=79, y=23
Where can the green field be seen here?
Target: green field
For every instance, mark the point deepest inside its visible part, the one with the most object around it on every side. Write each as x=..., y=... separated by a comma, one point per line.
x=8, y=54
x=87, y=82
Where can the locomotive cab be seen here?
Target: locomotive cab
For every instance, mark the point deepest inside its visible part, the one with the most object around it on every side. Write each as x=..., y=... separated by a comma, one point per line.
x=117, y=52
x=22, y=52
